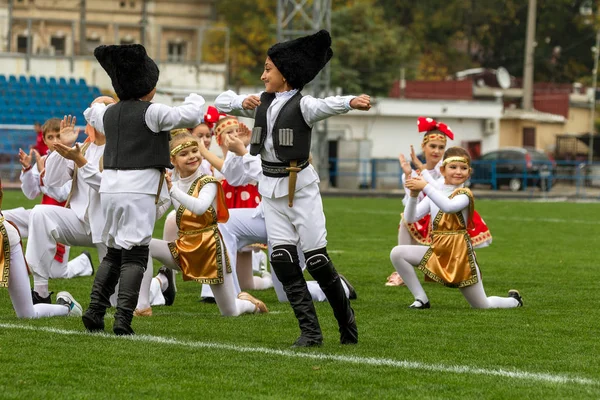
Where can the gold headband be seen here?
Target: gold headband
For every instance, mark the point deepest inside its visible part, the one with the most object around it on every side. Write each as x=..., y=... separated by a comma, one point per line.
x=226, y=123
x=456, y=159
x=182, y=146
x=434, y=136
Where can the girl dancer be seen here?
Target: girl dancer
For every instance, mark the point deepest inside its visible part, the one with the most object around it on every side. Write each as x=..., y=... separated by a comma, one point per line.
x=450, y=259
x=199, y=252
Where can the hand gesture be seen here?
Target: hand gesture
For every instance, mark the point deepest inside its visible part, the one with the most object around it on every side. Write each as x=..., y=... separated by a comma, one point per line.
x=70, y=153
x=251, y=102
x=362, y=102
x=25, y=159
x=68, y=132
x=405, y=165
x=40, y=161
x=235, y=144
x=413, y=156
x=245, y=134
x=169, y=180
x=415, y=184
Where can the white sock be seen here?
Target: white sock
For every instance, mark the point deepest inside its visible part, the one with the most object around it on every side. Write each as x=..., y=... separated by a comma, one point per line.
x=42, y=290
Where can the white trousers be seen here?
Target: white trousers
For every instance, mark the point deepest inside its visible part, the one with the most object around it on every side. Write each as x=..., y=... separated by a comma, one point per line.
x=406, y=257
x=225, y=294
x=129, y=219
x=18, y=284
x=50, y=225
x=65, y=269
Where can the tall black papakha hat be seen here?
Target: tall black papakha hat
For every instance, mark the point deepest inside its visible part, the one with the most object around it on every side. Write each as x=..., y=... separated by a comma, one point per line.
x=300, y=60
x=132, y=72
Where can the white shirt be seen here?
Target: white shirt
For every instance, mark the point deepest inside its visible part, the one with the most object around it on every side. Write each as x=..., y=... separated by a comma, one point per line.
x=313, y=110
x=31, y=187
x=433, y=176
x=436, y=200
x=158, y=118
x=85, y=201
x=197, y=205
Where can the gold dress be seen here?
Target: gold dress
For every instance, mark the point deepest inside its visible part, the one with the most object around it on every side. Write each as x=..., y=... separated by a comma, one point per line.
x=4, y=254
x=450, y=259
x=199, y=251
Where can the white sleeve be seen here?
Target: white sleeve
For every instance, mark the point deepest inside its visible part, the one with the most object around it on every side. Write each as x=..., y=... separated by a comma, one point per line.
x=59, y=194
x=447, y=205
x=231, y=103
x=197, y=205
x=30, y=182
x=92, y=175
x=94, y=115
x=59, y=170
x=315, y=110
x=240, y=171
x=160, y=117
x=413, y=211
x=437, y=183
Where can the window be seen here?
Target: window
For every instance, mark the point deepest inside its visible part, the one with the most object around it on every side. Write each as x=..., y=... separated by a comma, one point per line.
x=59, y=45
x=176, y=51
x=22, y=43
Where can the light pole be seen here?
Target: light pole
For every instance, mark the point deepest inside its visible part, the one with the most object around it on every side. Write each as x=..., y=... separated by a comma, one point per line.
x=593, y=100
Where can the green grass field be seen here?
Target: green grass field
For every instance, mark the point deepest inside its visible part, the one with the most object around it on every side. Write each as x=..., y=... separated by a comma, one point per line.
x=550, y=348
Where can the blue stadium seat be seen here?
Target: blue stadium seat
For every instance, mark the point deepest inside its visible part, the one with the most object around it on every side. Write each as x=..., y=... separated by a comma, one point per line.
x=3, y=79
x=33, y=80
x=82, y=82
x=52, y=81
x=43, y=80
x=22, y=79
x=12, y=79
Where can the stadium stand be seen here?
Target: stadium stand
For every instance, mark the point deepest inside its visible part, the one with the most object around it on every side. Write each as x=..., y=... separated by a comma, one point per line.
x=25, y=100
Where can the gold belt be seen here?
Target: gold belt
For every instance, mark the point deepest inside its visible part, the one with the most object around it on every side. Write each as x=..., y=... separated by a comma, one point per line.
x=197, y=231
x=459, y=232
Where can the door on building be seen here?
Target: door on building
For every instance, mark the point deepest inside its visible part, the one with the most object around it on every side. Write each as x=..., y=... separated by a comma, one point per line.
x=474, y=148
x=529, y=137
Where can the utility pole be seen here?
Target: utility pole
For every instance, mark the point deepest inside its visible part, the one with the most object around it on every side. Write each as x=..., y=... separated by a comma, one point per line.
x=82, y=29
x=594, y=84
x=529, y=63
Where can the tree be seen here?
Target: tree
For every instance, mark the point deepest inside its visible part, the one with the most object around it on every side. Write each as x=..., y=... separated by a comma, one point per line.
x=368, y=51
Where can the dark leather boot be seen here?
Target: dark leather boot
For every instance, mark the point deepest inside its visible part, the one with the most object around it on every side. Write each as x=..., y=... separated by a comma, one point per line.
x=294, y=285
x=105, y=281
x=132, y=273
x=322, y=269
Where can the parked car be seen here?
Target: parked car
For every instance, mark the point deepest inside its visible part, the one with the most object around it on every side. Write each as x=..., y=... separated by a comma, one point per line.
x=512, y=166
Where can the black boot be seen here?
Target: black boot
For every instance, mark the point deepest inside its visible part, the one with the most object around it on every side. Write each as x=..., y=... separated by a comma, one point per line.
x=321, y=268
x=105, y=281
x=132, y=273
x=294, y=285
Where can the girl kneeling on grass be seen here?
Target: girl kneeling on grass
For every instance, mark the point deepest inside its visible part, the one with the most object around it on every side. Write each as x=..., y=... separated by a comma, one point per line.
x=13, y=275
x=450, y=259
x=199, y=252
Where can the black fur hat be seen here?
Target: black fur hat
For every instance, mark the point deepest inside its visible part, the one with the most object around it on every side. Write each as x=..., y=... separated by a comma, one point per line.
x=300, y=60
x=132, y=72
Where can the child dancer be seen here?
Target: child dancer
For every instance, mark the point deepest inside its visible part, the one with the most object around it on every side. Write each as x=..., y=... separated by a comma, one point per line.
x=54, y=131
x=433, y=146
x=13, y=274
x=289, y=184
x=450, y=259
x=199, y=251
x=135, y=159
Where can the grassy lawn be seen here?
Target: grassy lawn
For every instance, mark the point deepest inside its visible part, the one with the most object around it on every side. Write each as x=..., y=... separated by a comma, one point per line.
x=547, y=349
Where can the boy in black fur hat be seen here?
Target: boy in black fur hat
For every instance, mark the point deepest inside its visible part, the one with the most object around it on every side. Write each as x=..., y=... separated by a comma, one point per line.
x=289, y=185
x=135, y=158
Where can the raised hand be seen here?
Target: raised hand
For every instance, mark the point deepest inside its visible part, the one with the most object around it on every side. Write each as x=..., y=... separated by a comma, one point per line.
x=40, y=161
x=235, y=144
x=405, y=165
x=71, y=153
x=251, y=102
x=416, y=184
x=362, y=102
x=25, y=159
x=413, y=156
x=68, y=132
x=169, y=179
x=245, y=134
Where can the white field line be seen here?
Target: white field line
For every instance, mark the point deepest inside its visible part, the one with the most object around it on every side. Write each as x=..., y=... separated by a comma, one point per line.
x=368, y=361
x=520, y=219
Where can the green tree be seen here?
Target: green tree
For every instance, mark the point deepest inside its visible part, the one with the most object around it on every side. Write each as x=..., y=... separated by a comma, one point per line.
x=368, y=50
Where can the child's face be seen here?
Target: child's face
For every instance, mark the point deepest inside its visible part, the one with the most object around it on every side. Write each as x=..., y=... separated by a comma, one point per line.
x=231, y=131
x=51, y=138
x=274, y=81
x=187, y=161
x=203, y=132
x=434, y=151
x=455, y=173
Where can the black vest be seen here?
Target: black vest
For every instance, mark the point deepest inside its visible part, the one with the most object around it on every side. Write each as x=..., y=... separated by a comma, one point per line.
x=130, y=144
x=291, y=133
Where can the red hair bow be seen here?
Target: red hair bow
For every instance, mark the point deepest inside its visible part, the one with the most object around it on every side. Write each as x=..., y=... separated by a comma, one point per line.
x=211, y=117
x=429, y=124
